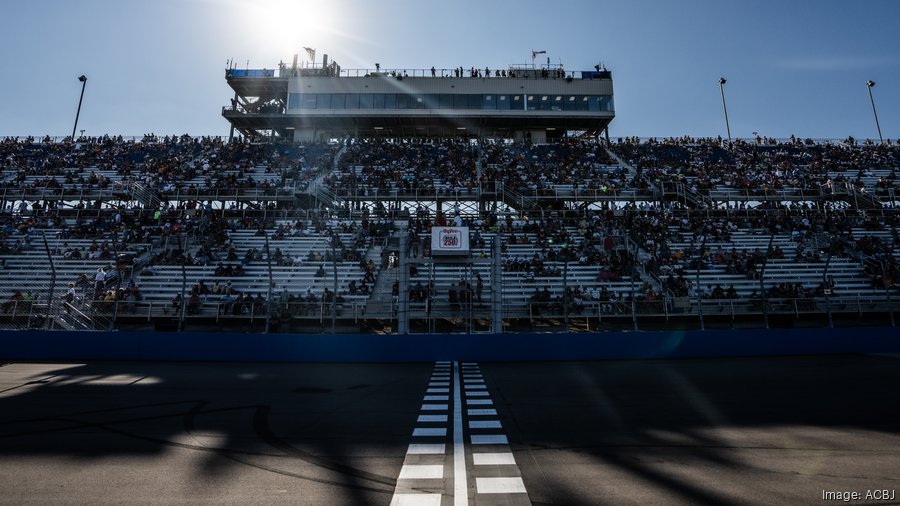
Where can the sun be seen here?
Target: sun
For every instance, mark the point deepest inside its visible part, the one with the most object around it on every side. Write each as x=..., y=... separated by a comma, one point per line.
x=288, y=25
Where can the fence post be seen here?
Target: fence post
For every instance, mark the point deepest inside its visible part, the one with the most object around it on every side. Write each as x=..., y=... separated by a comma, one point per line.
x=119, y=275
x=183, y=307
x=269, y=291
x=634, y=313
x=52, y=281
x=403, y=288
x=334, y=295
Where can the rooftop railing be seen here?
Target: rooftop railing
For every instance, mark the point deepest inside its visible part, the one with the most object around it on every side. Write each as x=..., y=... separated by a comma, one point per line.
x=523, y=72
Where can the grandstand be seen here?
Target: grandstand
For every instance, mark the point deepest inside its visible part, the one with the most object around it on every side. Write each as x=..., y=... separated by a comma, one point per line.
x=320, y=216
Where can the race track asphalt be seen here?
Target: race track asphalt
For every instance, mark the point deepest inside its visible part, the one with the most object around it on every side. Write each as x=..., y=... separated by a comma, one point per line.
x=770, y=430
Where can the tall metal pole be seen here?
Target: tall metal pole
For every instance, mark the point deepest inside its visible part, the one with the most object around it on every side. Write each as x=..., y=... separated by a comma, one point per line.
x=83, y=80
x=722, y=82
x=869, y=86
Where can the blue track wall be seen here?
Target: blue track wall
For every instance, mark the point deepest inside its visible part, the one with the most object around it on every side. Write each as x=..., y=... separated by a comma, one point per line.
x=67, y=346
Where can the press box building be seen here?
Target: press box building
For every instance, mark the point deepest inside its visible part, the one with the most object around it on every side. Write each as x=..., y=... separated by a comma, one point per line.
x=536, y=103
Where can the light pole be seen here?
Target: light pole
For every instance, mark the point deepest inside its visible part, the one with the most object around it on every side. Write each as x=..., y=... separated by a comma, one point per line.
x=83, y=80
x=722, y=82
x=869, y=86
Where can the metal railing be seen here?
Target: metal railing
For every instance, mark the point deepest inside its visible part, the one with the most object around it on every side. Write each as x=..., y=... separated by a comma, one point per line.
x=102, y=314
x=517, y=72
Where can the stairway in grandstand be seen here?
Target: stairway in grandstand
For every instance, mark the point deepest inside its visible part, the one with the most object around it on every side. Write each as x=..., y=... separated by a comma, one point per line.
x=381, y=300
x=632, y=171
x=317, y=188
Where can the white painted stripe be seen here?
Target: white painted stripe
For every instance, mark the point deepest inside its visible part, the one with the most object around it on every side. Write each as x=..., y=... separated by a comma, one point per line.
x=439, y=384
x=470, y=381
x=430, y=432
x=484, y=424
x=421, y=472
x=490, y=439
x=494, y=459
x=426, y=449
x=444, y=362
x=476, y=387
x=499, y=486
x=464, y=364
x=460, y=484
x=436, y=398
x=473, y=376
x=480, y=393
x=482, y=412
x=438, y=391
x=434, y=418
x=434, y=407
x=479, y=402
x=416, y=500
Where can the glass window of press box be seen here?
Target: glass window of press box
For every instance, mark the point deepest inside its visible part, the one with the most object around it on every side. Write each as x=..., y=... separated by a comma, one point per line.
x=395, y=101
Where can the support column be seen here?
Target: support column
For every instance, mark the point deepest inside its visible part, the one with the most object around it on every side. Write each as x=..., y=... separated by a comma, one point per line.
x=496, y=287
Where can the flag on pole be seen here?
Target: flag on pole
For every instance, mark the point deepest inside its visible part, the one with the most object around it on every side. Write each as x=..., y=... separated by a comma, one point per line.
x=535, y=53
x=311, y=53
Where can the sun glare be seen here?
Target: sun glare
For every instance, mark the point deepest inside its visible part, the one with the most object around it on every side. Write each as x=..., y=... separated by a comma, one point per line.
x=288, y=25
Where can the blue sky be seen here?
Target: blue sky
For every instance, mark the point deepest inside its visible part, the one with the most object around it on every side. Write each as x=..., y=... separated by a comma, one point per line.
x=793, y=67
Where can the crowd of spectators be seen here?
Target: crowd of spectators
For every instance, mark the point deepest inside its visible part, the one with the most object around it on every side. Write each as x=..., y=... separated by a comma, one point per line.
x=584, y=166
x=165, y=165
x=762, y=165
x=95, y=229
x=379, y=167
x=405, y=167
